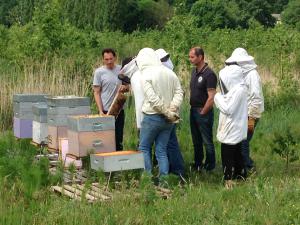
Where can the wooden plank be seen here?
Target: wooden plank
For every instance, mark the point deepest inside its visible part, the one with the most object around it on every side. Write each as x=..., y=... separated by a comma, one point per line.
x=96, y=187
x=65, y=192
x=96, y=194
x=79, y=192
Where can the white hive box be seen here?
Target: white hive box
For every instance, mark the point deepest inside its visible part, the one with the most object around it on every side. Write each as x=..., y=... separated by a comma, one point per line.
x=39, y=123
x=64, y=155
x=39, y=132
x=117, y=161
x=91, y=133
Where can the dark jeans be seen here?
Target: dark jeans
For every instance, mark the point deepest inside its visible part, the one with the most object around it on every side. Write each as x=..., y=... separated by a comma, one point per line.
x=248, y=162
x=201, y=129
x=119, y=127
x=174, y=154
x=232, y=161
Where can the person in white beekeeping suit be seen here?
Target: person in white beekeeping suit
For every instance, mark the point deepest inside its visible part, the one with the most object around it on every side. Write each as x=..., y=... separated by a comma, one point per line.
x=174, y=153
x=162, y=97
x=130, y=74
x=232, y=127
x=255, y=97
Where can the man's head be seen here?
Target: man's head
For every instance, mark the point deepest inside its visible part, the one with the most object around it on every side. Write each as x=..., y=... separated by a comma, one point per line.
x=109, y=57
x=196, y=56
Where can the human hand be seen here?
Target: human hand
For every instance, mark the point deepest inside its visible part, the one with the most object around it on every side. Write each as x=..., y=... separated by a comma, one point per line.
x=172, y=117
x=101, y=113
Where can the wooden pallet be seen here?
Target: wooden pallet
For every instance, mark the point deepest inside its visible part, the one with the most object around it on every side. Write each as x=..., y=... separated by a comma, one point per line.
x=78, y=177
x=80, y=192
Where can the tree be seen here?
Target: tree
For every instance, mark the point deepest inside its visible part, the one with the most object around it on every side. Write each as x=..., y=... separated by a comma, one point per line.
x=258, y=10
x=212, y=14
x=291, y=14
x=5, y=7
x=277, y=6
x=154, y=14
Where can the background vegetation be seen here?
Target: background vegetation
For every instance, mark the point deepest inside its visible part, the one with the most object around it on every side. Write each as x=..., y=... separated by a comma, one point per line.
x=54, y=46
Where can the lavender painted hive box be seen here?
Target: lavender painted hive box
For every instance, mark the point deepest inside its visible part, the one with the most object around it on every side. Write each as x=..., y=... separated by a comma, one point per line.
x=91, y=133
x=23, y=114
x=22, y=128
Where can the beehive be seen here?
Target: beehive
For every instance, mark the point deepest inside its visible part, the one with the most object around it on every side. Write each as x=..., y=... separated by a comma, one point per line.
x=58, y=110
x=117, y=161
x=39, y=123
x=23, y=114
x=91, y=133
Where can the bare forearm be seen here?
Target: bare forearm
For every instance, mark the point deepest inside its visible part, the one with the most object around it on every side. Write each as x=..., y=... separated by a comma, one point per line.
x=208, y=106
x=98, y=102
x=209, y=102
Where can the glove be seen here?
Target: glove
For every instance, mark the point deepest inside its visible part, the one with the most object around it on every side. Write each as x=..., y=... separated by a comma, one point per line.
x=171, y=117
x=251, y=123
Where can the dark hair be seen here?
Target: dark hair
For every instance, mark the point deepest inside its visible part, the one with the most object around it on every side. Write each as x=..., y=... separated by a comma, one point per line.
x=109, y=50
x=198, y=51
x=126, y=61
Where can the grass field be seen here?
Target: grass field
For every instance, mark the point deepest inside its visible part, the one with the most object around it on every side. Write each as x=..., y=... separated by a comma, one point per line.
x=269, y=196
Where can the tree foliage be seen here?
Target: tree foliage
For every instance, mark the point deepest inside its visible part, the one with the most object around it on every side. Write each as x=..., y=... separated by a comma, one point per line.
x=291, y=15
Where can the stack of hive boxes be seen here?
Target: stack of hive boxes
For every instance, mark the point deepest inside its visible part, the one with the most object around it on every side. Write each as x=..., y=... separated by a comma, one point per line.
x=59, y=108
x=23, y=114
x=96, y=134
x=39, y=123
x=91, y=133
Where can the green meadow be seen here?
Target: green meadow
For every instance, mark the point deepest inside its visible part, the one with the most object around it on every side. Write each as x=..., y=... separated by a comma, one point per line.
x=57, y=58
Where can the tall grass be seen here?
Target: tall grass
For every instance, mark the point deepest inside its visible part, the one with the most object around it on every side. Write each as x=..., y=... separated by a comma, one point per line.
x=55, y=78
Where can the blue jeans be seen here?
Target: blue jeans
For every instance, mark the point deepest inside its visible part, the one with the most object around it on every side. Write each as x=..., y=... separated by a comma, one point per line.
x=248, y=162
x=201, y=129
x=174, y=154
x=155, y=129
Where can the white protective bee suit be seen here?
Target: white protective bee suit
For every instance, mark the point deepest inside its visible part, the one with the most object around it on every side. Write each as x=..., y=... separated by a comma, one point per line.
x=255, y=96
x=232, y=104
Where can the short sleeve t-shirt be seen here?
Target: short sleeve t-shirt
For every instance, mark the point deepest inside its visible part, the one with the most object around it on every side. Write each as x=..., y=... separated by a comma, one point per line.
x=108, y=80
x=200, y=82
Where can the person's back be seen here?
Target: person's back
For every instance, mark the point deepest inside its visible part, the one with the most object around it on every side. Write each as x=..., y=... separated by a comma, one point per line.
x=163, y=94
x=232, y=127
x=157, y=81
x=255, y=97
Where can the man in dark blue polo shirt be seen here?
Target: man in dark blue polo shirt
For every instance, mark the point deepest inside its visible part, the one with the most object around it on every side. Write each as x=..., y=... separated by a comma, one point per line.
x=203, y=88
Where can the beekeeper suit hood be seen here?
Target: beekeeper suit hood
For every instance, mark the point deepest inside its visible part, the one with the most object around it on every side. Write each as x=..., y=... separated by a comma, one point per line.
x=164, y=58
x=255, y=96
x=243, y=59
x=161, y=86
x=231, y=76
x=128, y=70
x=147, y=58
x=232, y=127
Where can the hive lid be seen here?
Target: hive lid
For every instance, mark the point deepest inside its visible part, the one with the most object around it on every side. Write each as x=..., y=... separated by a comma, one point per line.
x=30, y=97
x=68, y=101
x=127, y=152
